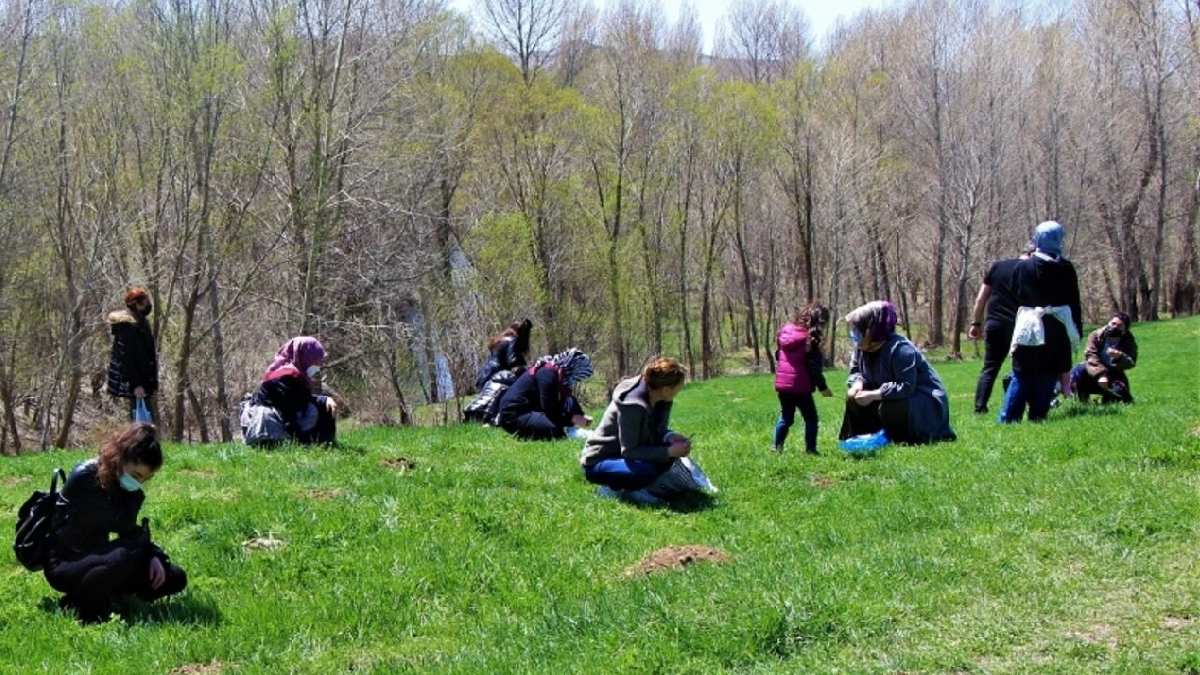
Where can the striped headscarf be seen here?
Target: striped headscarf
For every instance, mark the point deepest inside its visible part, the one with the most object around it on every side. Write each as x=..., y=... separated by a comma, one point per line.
x=574, y=365
x=875, y=320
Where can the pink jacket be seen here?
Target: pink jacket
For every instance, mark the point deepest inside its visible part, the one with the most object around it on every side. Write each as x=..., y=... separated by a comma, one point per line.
x=791, y=373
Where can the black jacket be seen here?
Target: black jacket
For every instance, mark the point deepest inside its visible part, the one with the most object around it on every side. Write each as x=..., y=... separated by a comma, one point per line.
x=290, y=394
x=87, y=513
x=540, y=392
x=134, y=362
x=1047, y=283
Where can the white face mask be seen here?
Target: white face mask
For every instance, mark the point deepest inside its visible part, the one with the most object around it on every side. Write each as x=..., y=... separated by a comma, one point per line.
x=312, y=371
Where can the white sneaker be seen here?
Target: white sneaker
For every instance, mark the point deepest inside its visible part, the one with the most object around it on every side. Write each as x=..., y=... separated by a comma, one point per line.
x=702, y=481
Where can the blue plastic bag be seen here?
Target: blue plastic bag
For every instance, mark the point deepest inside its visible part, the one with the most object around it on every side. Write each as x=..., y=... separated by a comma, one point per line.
x=141, y=412
x=865, y=444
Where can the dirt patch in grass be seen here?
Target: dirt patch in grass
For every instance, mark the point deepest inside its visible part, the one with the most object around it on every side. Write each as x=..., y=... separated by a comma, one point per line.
x=399, y=464
x=1196, y=431
x=213, y=667
x=267, y=543
x=198, y=473
x=13, y=481
x=674, y=558
x=1099, y=634
x=821, y=481
x=325, y=494
x=1178, y=623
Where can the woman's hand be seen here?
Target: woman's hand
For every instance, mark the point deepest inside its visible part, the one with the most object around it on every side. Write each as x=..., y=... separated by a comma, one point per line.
x=853, y=391
x=331, y=405
x=139, y=392
x=680, y=447
x=581, y=421
x=865, y=398
x=158, y=575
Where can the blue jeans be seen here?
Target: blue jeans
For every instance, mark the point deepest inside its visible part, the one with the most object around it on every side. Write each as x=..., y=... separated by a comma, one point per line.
x=787, y=416
x=625, y=474
x=1034, y=390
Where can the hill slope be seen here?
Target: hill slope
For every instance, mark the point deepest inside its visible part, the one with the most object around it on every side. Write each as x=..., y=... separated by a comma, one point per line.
x=1068, y=546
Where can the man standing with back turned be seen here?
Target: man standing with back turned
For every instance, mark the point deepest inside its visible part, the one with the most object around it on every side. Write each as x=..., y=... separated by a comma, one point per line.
x=996, y=293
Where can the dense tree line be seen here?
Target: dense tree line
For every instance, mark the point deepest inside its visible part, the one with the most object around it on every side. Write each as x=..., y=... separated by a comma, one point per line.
x=402, y=180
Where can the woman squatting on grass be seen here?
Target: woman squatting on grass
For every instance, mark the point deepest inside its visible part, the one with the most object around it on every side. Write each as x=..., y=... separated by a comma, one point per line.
x=541, y=404
x=289, y=386
x=799, y=372
x=633, y=454
x=891, y=385
x=103, y=496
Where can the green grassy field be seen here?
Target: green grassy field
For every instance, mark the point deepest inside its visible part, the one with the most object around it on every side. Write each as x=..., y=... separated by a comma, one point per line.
x=1072, y=546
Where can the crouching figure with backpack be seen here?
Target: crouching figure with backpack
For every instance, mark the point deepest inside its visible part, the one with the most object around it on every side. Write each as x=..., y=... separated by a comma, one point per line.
x=103, y=496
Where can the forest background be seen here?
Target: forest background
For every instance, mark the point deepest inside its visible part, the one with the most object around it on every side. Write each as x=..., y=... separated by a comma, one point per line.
x=401, y=180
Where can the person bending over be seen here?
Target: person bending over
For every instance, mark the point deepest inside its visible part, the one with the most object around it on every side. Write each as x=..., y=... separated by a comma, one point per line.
x=289, y=386
x=541, y=404
x=891, y=385
x=1111, y=350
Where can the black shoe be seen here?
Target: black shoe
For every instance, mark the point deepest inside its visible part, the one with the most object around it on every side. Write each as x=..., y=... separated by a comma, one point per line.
x=811, y=451
x=981, y=411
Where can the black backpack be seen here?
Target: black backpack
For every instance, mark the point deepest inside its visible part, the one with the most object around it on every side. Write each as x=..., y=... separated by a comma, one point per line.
x=34, y=520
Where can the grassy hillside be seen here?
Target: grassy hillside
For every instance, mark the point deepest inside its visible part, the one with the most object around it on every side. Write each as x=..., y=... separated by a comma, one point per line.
x=1069, y=547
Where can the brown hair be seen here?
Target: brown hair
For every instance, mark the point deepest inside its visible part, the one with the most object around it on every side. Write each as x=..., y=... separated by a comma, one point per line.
x=814, y=315
x=503, y=335
x=134, y=295
x=663, y=372
x=137, y=444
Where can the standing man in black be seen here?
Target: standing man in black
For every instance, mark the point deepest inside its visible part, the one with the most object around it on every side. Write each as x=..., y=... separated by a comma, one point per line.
x=996, y=293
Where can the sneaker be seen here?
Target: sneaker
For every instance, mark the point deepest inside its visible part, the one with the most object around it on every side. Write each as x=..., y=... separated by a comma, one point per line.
x=811, y=451
x=701, y=480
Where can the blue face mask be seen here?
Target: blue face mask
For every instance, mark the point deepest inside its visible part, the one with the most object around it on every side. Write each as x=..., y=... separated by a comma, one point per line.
x=129, y=483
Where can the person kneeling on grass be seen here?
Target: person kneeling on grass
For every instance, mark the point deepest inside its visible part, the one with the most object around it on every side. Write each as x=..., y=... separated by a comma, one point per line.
x=1111, y=350
x=289, y=389
x=541, y=404
x=891, y=385
x=102, y=496
x=632, y=454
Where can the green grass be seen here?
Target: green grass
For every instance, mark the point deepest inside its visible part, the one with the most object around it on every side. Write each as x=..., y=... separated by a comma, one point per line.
x=1065, y=547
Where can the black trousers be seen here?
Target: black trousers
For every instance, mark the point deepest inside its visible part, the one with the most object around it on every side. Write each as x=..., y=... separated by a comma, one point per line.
x=533, y=426
x=93, y=582
x=891, y=416
x=997, y=340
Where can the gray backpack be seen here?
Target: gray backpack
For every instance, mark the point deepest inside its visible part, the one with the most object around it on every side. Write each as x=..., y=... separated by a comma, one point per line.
x=261, y=425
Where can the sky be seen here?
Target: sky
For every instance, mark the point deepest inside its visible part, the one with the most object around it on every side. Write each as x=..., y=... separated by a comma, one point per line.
x=822, y=14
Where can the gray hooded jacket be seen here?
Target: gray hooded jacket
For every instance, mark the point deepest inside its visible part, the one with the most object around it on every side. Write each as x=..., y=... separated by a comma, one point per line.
x=631, y=428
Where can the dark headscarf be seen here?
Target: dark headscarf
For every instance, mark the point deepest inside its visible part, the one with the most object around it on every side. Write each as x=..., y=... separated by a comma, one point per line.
x=875, y=320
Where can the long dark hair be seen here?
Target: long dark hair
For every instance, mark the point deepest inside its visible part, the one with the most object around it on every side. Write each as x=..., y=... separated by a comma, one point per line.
x=814, y=317
x=137, y=444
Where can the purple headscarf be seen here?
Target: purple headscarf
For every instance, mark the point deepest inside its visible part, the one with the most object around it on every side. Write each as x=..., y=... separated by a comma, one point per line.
x=874, y=320
x=300, y=352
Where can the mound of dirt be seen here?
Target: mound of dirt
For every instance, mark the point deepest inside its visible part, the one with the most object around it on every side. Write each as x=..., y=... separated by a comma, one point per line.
x=676, y=558
x=821, y=481
x=325, y=494
x=401, y=464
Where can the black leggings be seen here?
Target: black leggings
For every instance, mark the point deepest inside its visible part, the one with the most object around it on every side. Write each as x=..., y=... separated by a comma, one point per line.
x=92, y=582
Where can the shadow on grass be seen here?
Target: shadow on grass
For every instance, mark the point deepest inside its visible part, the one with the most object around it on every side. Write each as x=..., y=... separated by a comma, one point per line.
x=1077, y=409
x=186, y=610
x=693, y=502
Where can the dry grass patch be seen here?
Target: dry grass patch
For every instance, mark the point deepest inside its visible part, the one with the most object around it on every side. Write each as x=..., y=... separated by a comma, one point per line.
x=267, y=543
x=213, y=667
x=399, y=464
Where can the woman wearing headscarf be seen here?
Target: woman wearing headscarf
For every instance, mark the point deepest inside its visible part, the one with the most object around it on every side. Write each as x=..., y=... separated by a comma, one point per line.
x=541, y=404
x=891, y=385
x=289, y=386
x=1047, y=291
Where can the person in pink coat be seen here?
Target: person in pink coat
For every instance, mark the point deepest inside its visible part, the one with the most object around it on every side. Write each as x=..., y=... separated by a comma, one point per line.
x=798, y=373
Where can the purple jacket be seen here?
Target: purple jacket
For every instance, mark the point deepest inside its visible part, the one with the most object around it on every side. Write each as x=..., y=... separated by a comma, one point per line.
x=791, y=372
